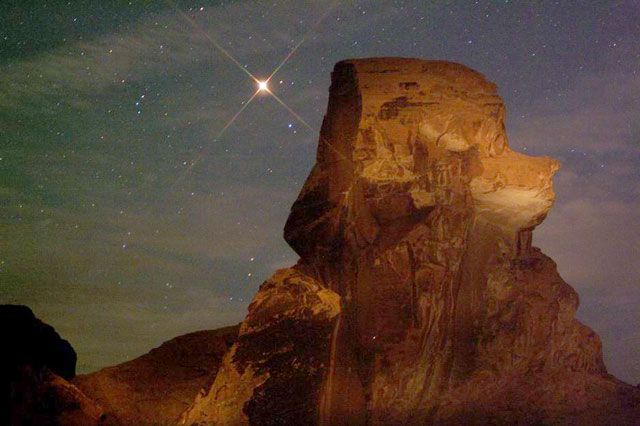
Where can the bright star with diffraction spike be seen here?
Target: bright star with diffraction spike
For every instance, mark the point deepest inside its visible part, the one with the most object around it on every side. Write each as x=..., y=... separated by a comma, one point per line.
x=263, y=85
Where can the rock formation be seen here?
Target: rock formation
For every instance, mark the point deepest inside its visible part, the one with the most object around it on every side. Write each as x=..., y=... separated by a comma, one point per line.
x=32, y=342
x=39, y=386
x=418, y=298
x=157, y=387
x=36, y=366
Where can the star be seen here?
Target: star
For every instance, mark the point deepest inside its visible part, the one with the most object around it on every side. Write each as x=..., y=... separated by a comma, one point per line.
x=263, y=86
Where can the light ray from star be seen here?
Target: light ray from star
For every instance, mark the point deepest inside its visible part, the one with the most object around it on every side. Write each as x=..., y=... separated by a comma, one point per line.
x=212, y=40
x=205, y=149
x=291, y=111
x=303, y=39
x=308, y=126
x=262, y=87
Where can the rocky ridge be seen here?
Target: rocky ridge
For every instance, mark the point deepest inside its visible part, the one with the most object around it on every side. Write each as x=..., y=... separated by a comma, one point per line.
x=40, y=388
x=155, y=388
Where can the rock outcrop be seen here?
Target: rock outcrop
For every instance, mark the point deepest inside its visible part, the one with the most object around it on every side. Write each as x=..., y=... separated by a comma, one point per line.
x=157, y=387
x=31, y=342
x=40, y=388
x=36, y=366
x=418, y=298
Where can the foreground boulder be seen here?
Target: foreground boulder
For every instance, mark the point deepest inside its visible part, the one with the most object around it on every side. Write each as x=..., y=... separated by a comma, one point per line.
x=157, y=387
x=418, y=298
x=36, y=366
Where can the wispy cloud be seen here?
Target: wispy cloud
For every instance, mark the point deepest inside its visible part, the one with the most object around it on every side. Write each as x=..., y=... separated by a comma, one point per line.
x=593, y=231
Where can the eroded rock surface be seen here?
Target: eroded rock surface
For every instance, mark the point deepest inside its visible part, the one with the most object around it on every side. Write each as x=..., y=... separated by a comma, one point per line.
x=157, y=387
x=418, y=298
x=282, y=349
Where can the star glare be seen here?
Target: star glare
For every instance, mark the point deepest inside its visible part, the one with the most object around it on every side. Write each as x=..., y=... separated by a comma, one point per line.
x=263, y=85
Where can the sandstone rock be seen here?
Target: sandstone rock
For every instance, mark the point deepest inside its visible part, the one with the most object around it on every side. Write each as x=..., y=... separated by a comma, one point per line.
x=282, y=349
x=418, y=298
x=36, y=365
x=157, y=387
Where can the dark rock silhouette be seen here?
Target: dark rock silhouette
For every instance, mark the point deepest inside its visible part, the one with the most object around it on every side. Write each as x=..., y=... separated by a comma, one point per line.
x=29, y=341
x=34, y=371
x=40, y=387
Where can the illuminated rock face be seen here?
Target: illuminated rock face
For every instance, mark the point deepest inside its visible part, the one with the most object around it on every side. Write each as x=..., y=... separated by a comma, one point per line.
x=157, y=387
x=282, y=349
x=418, y=297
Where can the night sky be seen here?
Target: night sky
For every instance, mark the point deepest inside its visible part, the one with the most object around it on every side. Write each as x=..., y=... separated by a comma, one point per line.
x=125, y=219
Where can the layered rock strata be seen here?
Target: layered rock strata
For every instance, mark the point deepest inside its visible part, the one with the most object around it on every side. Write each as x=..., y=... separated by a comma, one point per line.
x=418, y=298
